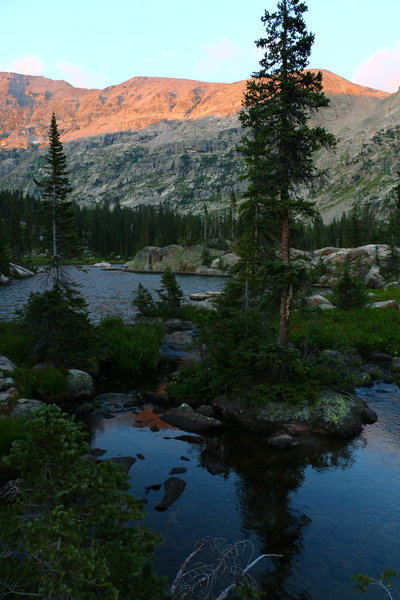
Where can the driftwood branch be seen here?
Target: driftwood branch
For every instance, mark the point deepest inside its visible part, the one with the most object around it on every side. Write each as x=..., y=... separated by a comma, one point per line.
x=226, y=567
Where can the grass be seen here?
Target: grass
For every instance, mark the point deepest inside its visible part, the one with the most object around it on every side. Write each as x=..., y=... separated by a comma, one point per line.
x=364, y=330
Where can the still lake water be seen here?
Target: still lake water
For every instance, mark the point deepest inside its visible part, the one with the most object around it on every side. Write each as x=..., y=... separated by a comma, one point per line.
x=106, y=292
x=350, y=492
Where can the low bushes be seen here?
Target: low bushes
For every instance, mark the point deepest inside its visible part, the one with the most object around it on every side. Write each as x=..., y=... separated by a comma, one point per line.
x=129, y=348
x=46, y=383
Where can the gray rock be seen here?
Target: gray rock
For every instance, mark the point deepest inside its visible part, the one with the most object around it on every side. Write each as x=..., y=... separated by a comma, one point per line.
x=25, y=407
x=216, y=468
x=7, y=365
x=381, y=357
x=318, y=300
x=392, y=284
x=20, y=271
x=181, y=340
x=187, y=419
x=386, y=304
x=80, y=385
x=395, y=364
x=206, y=410
x=4, y=280
x=6, y=383
x=374, y=279
x=178, y=471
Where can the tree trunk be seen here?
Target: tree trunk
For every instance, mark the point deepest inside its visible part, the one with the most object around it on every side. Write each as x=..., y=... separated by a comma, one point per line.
x=287, y=290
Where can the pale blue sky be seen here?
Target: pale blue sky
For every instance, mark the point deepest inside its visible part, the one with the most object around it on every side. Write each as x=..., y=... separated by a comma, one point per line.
x=96, y=43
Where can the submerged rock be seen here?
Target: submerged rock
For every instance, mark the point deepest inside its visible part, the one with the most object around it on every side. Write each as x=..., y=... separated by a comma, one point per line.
x=282, y=441
x=174, y=487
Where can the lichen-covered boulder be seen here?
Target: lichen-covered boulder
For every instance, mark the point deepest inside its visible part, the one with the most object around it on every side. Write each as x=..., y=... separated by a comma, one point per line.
x=80, y=385
x=334, y=413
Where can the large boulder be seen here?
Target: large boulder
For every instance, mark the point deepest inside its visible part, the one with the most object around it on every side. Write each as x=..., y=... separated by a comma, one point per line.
x=321, y=301
x=80, y=385
x=335, y=413
x=226, y=261
x=179, y=259
x=6, y=365
x=25, y=407
x=188, y=419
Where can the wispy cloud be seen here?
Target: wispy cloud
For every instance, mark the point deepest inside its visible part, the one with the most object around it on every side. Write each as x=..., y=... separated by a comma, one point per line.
x=381, y=70
x=78, y=76
x=27, y=65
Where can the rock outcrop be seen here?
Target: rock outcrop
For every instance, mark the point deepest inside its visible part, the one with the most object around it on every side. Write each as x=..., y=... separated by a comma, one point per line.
x=190, y=259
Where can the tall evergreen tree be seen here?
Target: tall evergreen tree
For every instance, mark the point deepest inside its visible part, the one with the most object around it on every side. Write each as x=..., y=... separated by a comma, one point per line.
x=279, y=146
x=58, y=209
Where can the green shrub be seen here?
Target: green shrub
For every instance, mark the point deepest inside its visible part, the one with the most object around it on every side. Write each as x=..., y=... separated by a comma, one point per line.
x=46, y=383
x=192, y=383
x=11, y=428
x=73, y=529
x=350, y=292
x=287, y=393
x=129, y=348
x=170, y=294
x=58, y=328
x=13, y=341
x=144, y=302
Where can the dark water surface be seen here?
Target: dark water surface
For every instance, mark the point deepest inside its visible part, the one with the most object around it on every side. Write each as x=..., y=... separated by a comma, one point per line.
x=340, y=499
x=107, y=292
x=330, y=508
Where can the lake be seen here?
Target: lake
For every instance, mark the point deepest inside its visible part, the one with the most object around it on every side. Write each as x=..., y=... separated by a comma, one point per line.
x=107, y=292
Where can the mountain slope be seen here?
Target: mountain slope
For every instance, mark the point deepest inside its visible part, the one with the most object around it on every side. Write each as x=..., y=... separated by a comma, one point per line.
x=171, y=140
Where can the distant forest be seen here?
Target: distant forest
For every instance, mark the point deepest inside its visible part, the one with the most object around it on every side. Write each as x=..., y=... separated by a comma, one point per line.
x=119, y=231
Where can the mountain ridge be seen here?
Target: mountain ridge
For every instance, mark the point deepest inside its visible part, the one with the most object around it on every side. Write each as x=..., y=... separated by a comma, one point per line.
x=132, y=105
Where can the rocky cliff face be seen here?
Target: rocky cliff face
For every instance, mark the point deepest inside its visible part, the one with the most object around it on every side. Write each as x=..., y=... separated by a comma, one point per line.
x=152, y=140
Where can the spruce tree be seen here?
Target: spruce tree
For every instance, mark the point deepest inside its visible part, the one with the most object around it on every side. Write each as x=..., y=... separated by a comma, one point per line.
x=58, y=209
x=279, y=146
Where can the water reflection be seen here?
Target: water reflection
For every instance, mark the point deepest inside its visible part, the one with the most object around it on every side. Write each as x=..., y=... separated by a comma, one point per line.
x=330, y=508
x=264, y=486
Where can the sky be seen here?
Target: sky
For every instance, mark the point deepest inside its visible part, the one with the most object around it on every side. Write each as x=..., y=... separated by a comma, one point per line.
x=97, y=43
